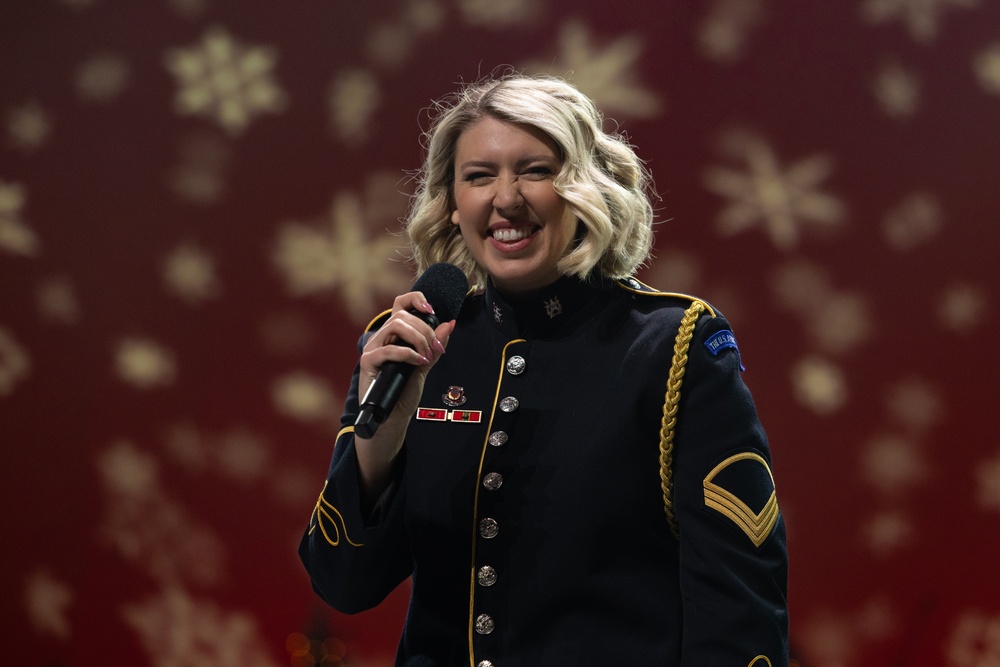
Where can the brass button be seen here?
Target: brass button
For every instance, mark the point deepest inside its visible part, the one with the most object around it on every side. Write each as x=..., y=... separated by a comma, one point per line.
x=486, y=576
x=515, y=365
x=492, y=481
x=484, y=624
x=489, y=528
x=498, y=438
x=509, y=404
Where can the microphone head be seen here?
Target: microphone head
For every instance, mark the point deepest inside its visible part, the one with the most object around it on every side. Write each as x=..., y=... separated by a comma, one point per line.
x=445, y=286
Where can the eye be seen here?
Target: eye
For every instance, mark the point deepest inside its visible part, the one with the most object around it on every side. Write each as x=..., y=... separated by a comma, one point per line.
x=473, y=176
x=539, y=171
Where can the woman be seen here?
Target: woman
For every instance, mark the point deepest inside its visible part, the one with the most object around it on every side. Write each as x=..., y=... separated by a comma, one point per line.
x=582, y=477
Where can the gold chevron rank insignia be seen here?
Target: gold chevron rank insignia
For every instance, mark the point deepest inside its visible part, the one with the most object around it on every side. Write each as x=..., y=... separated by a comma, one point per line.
x=742, y=488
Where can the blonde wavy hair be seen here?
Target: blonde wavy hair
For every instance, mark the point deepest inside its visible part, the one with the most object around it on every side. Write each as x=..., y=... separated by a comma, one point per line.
x=602, y=180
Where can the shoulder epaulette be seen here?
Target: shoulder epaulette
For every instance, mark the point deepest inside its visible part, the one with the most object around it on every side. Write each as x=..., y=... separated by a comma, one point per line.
x=638, y=287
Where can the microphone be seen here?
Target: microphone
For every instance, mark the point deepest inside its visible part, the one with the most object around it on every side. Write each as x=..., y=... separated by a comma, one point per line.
x=445, y=286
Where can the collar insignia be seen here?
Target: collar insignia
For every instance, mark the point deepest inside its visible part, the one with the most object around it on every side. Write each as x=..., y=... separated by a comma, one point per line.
x=553, y=307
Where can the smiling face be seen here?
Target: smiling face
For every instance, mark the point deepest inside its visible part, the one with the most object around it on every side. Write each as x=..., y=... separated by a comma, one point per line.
x=514, y=223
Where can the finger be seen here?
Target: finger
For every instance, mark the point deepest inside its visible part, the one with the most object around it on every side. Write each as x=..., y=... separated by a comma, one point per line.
x=377, y=357
x=443, y=334
x=412, y=301
x=404, y=328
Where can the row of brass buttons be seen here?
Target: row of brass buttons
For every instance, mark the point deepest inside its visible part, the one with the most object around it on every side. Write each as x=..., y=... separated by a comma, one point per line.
x=488, y=527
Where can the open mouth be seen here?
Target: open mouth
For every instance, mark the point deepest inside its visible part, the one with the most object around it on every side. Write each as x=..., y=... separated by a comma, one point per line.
x=512, y=234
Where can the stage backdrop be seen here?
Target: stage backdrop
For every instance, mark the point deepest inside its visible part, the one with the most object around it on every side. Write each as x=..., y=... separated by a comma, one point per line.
x=199, y=212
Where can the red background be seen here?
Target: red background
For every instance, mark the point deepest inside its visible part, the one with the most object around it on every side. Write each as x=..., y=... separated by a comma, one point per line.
x=172, y=362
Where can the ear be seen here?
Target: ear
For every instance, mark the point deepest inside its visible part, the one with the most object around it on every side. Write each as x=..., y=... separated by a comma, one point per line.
x=454, y=217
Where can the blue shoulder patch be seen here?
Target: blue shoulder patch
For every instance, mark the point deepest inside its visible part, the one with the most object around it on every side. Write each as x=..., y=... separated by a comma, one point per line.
x=721, y=340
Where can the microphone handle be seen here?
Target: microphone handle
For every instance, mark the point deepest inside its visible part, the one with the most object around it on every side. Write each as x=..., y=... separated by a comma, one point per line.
x=385, y=391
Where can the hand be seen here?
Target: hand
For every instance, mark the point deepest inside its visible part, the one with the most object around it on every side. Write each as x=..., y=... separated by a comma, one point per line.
x=405, y=338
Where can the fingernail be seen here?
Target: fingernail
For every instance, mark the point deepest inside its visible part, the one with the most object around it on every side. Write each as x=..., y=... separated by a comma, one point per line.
x=438, y=346
x=423, y=359
x=428, y=307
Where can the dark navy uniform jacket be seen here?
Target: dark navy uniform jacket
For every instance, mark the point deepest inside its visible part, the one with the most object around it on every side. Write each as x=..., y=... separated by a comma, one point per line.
x=527, y=501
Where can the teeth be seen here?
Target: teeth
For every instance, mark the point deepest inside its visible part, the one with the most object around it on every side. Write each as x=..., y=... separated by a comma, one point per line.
x=511, y=235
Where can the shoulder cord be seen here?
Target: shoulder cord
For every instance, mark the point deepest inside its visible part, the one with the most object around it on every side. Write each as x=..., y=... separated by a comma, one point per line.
x=669, y=422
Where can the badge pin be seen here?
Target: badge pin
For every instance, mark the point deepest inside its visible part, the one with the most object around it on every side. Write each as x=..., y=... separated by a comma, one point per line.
x=432, y=414
x=553, y=307
x=470, y=416
x=442, y=415
x=455, y=396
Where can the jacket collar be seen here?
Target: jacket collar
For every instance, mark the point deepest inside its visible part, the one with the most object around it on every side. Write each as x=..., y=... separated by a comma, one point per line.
x=546, y=311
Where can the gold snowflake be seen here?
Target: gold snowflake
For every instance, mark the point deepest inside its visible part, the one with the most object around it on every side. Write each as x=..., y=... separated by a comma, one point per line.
x=47, y=600
x=724, y=33
x=819, y=385
x=353, y=98
x=782, y=200
x=336, y=255
x=975, y=640
x=831, y=637
x=242, y=455
x=177, y=629
x=888, y=532
x=188, y=8
x=220, y=78
x=57, y=302
x=963, y=307
x=292, y=486
x=800, y=285
x=499, y=14
x=676, y=271
x=390, y=44
x=988, y=480
x=914, y=221
x=144, y=363
x=425, y=15
x=304, y=397
x=915, y=404
x=837, y=321
x=840, y=322
x=199, y=177
x=189, y=272
x=897, y=90
x=149, y=528
x=28, y=126
x=287, y=334
x=892, y=464
x=15, y=236
x=987, y=66
x=185, y=444
x=15, y=365
x=79, y=4
x=921, y=16
x=606, y=75
x=102, y=78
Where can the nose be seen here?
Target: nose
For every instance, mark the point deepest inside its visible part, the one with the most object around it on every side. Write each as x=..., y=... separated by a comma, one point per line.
x=508, y=198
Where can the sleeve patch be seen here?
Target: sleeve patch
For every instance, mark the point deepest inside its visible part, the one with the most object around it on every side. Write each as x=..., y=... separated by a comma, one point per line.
x=722, y=340
x=742, y=489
